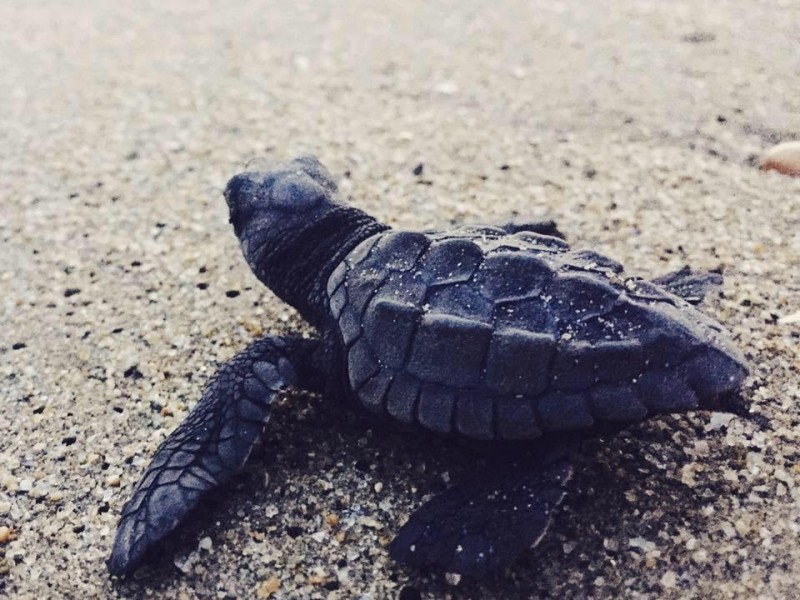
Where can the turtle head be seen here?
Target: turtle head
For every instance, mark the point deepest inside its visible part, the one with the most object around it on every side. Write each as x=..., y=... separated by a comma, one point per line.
x=294, y=230
x=274, y=202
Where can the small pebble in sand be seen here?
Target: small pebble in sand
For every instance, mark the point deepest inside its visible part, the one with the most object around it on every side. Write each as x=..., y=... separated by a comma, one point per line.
x=332, y=520
x=641, y=544
x=269, y=587
x=206, y=544
x=669, y=579
x=783, y=158
x=5, y=534
x=317, y=577
x=789, y=319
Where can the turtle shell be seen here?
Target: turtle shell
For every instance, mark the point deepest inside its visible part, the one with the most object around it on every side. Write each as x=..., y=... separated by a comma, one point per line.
x=481, y=333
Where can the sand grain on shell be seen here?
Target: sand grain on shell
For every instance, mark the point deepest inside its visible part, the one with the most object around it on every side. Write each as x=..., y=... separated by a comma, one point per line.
x=637, y=126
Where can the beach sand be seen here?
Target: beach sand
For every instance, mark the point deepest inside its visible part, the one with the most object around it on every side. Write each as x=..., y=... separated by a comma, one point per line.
x=636, y=125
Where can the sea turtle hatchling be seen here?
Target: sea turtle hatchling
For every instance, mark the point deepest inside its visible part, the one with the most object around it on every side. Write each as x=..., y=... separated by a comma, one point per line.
x=481, y=332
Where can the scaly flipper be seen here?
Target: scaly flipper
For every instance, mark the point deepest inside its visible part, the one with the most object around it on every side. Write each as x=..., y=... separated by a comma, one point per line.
x=483, y=524
x=544, y=227
x=211, y=445
x=690, y=285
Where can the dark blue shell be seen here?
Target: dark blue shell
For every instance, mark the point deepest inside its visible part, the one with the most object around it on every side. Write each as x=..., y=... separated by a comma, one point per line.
x=489, y=335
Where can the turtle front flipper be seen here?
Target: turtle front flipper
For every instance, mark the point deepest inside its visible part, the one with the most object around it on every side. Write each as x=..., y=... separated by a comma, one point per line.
x=481, y=525
x=211, y=445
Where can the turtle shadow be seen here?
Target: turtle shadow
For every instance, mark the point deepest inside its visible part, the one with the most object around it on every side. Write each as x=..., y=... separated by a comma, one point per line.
x=306, y=439
x=321, y=459
x=625, y=506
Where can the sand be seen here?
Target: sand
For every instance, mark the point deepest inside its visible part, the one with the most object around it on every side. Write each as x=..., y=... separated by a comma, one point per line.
x=636, y=125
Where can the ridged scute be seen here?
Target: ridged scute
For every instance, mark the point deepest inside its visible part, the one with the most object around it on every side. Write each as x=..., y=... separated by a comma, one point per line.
x=479, y=333
x=449, y=350
x=519, y=361
x=451, y=261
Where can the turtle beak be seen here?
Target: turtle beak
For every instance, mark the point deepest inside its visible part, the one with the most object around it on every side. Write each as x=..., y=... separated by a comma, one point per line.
x=237, y=194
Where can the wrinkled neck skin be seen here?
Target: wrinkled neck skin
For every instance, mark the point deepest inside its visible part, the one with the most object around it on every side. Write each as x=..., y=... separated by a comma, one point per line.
x=296, y=263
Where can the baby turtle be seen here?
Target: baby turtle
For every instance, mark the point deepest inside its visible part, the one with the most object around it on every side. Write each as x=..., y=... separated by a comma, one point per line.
x=480, y=332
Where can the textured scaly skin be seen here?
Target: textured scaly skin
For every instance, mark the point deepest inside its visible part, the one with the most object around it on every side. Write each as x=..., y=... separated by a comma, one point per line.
x=479, y=333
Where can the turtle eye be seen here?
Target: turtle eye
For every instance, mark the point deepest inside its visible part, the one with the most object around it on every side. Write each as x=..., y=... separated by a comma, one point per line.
x=296, y=191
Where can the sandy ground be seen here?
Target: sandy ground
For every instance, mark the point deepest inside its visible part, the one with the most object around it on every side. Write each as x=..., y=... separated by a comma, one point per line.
x=633, y=123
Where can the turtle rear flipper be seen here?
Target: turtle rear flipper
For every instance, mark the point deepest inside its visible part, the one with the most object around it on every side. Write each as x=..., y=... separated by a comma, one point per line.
x=482, y=525
x=542, y=227
x=210, y=446
x=690, y=285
